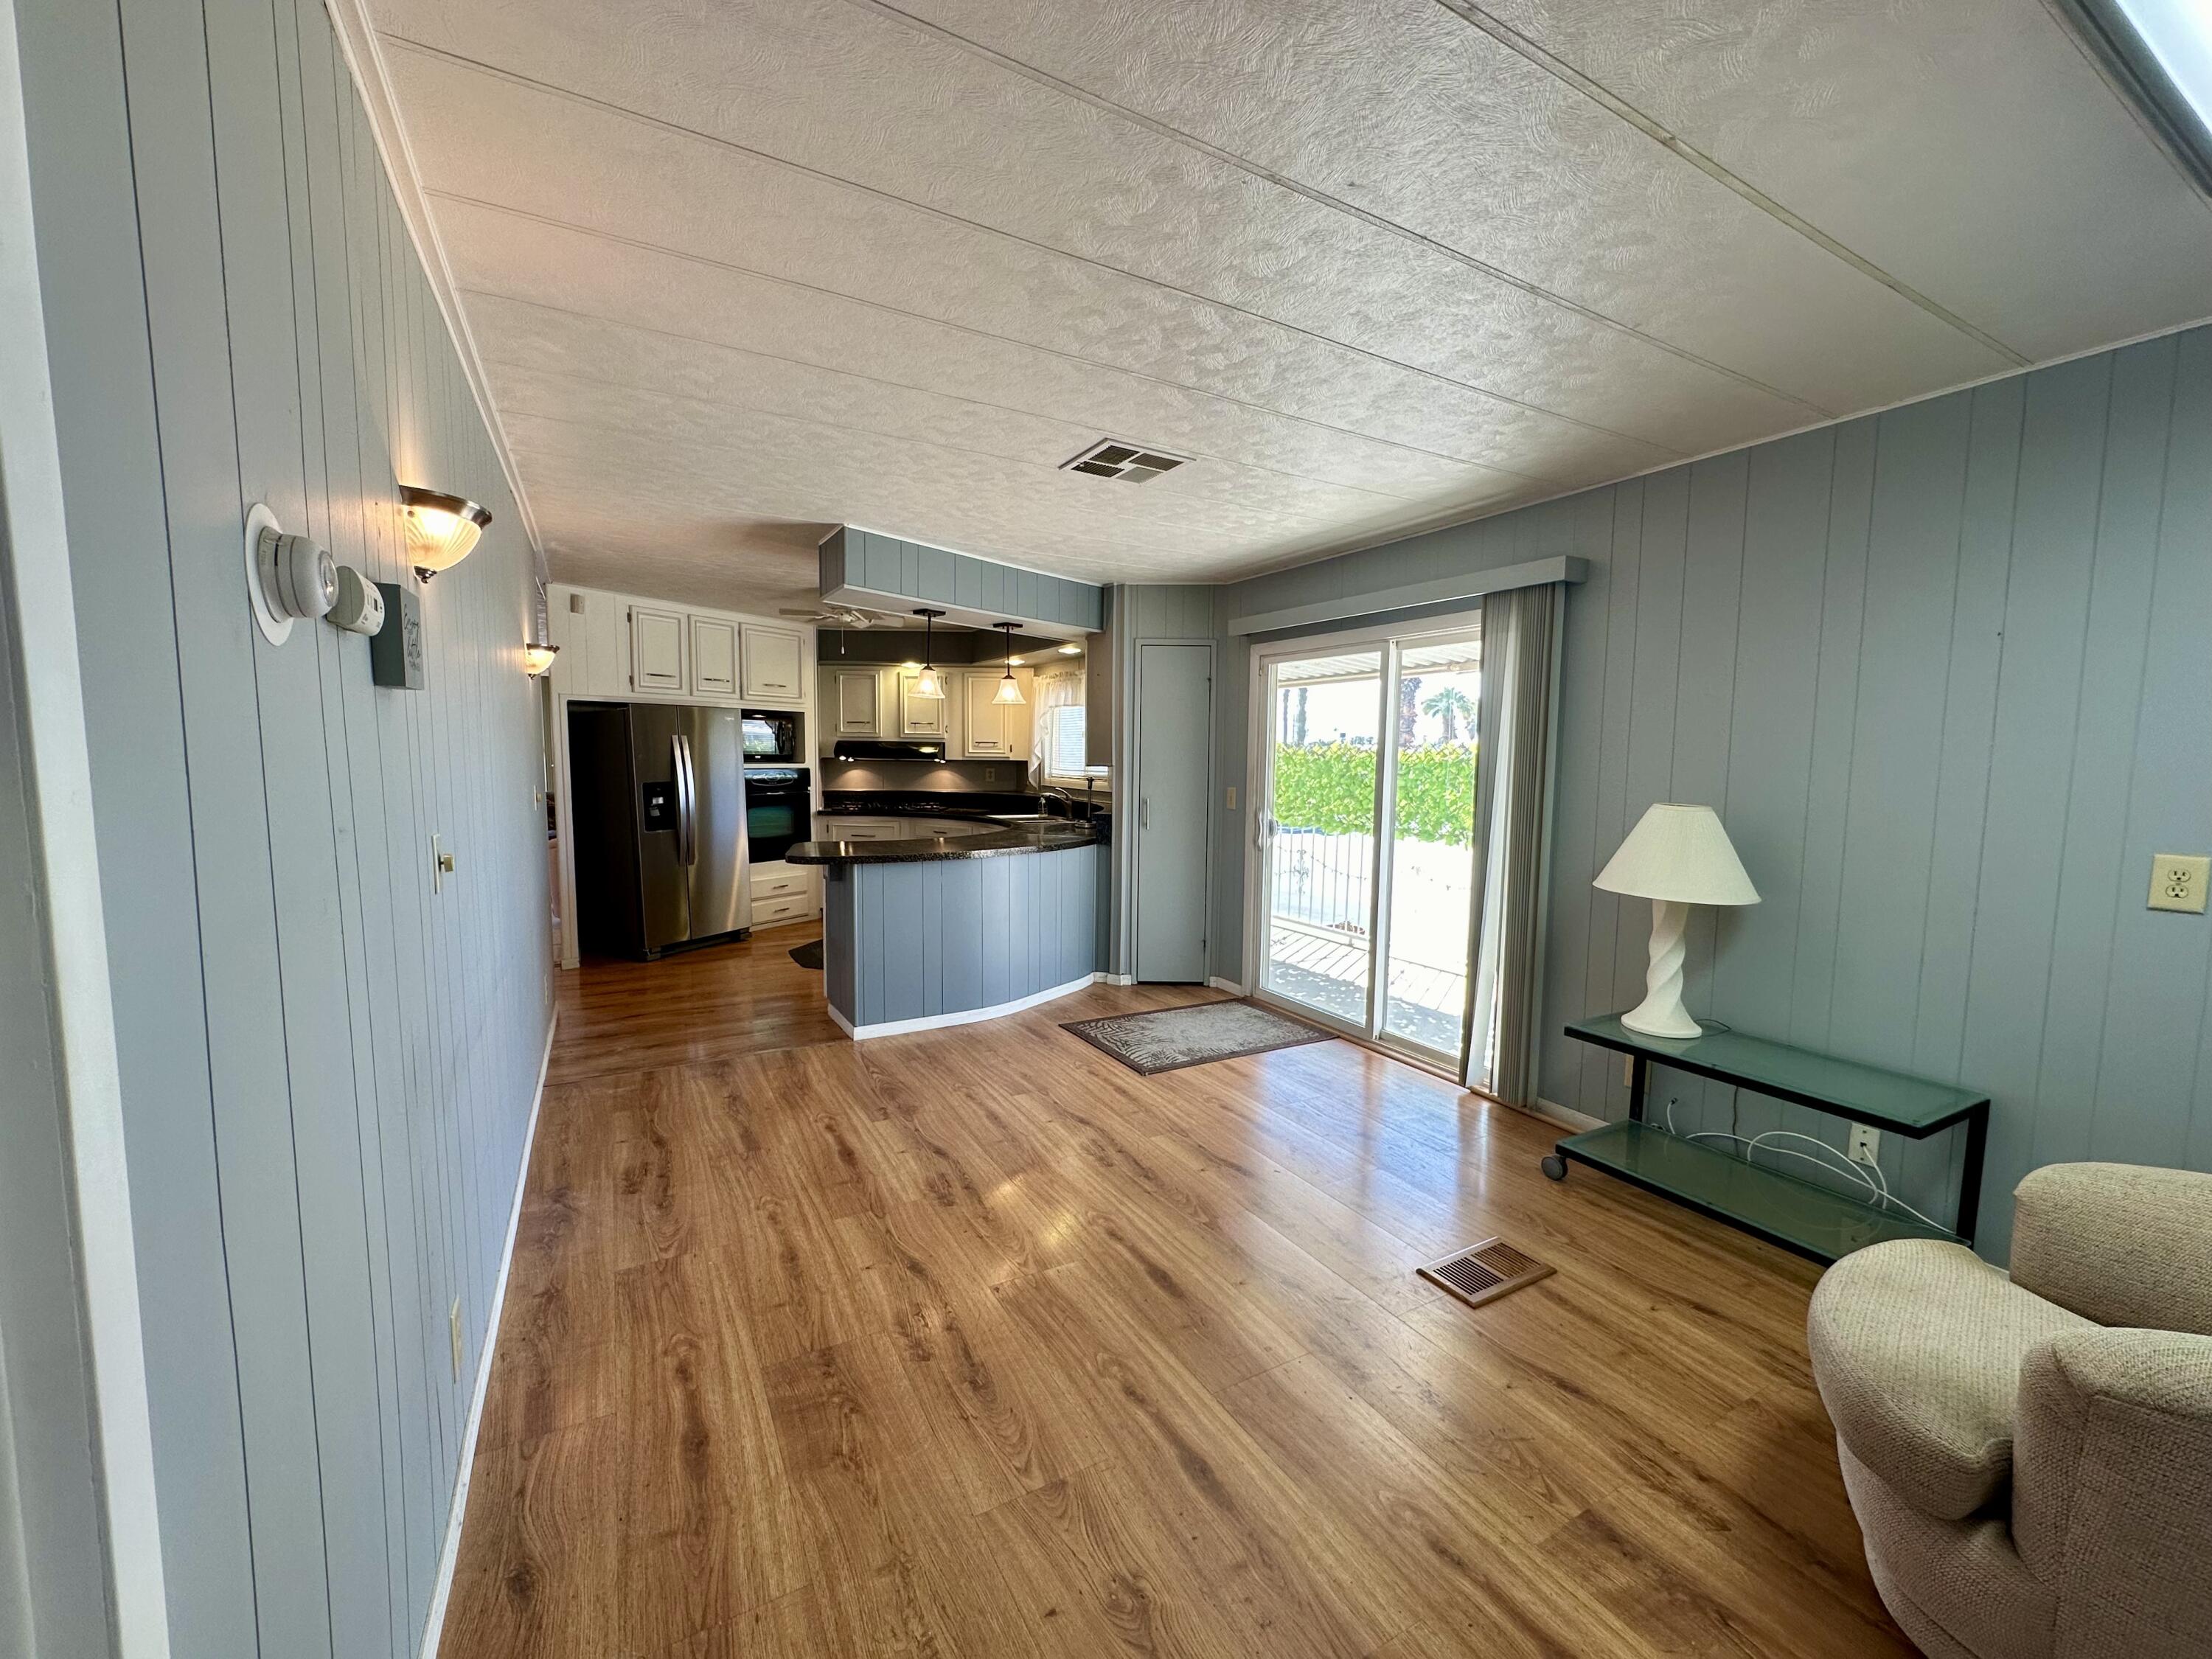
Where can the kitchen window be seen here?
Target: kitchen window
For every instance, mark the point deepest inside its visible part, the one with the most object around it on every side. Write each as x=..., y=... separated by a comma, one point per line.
x=1062, y=731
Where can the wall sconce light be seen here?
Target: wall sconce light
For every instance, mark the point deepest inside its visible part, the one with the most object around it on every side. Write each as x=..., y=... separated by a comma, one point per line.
x=440, y=529
x=537, y=657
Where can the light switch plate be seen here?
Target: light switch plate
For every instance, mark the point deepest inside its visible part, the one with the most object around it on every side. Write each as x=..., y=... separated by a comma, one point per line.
x=2177, y=882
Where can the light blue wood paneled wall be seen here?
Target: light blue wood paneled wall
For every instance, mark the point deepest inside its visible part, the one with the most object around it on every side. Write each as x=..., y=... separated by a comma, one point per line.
x=1945, y=673
x=1151, y=613
x=911, y=941
x=328, y=1069
x=872, y=563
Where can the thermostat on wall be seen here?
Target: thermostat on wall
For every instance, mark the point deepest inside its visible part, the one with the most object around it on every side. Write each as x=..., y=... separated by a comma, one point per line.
x=395, y=650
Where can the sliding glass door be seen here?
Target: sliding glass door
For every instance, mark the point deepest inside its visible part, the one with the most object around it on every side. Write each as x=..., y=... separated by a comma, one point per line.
x=1321, y=808
x=1363, y=930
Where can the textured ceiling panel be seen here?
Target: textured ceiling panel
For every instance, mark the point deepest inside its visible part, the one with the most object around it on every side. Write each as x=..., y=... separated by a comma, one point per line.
x=1404, y=111
x=741, y=269
x=619, y=354
x=493, y=252
x=1965, y=146
x=1319, y=303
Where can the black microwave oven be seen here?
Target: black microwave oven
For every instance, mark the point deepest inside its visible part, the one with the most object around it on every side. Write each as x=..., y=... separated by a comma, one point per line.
x=771, y=736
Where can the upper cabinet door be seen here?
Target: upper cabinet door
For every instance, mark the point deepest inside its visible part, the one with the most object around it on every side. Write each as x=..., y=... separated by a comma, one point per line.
x=987, y=718
x=773, y=660
x=714, y=657
x=856, y=702
x=922, y=717
x=656, y=649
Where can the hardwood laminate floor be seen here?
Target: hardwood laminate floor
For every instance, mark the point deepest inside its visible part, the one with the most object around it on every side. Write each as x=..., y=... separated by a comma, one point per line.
x=973, y=1343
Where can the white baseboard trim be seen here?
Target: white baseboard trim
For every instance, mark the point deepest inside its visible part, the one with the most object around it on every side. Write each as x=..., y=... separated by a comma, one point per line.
x=1221, y=984
x=1565, y=1116
x=435, y=1626
x=964, y=1017
x=1117, y=979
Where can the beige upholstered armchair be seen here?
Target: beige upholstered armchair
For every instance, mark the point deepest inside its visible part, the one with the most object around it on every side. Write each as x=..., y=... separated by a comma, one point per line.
x=2030, y=1457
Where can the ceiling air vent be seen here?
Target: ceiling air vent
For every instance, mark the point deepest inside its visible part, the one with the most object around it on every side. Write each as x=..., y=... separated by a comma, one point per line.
x=1110, y=458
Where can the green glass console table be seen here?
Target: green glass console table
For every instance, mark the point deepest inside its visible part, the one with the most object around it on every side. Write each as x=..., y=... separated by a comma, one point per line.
x=1799, y=1215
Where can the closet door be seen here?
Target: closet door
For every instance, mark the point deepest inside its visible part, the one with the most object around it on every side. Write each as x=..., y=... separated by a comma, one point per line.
x=1175, y=700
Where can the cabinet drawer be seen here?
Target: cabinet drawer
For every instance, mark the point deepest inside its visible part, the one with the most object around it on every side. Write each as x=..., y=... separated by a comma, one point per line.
x=779, y=883
x=769, y=912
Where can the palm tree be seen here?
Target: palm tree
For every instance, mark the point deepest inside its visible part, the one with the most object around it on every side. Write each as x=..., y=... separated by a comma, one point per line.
x=1450, y=705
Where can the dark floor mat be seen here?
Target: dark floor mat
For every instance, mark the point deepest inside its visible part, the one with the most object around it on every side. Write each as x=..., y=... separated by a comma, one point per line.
x=1168, y=1039
x=808, y=955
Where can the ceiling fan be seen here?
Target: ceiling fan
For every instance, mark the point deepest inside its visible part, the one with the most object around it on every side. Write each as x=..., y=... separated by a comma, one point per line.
x=839, y=616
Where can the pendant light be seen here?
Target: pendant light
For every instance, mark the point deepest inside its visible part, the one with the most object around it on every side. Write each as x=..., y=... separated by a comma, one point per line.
x=1010, y=690
x=926, y=684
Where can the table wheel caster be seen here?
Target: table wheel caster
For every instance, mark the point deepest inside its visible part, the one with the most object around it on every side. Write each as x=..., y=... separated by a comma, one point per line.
x=1554, y=1166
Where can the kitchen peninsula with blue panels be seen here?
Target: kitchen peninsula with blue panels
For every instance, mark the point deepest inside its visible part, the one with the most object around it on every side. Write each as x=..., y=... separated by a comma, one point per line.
x=959, y=922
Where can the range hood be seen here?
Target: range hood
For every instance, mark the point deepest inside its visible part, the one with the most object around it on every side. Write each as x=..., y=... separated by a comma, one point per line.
x=868, y=749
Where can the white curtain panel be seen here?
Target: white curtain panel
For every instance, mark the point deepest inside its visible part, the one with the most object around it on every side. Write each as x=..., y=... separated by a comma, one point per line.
x=1512, y=803
x=1063, y=690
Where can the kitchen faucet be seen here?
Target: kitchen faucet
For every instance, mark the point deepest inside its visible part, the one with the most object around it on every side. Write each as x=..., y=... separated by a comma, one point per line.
x=1053, y=792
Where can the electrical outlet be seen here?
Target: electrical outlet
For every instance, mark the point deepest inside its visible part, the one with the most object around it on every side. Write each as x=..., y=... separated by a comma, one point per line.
x=453, y=1319
x=1231, y=794
x=2177, y=882
x=990, y=775
x=1866, y=1144
x=1628, y=1071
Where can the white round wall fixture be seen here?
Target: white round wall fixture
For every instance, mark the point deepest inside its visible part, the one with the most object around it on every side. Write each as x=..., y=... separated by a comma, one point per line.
x=274, y=627
x=285, y=576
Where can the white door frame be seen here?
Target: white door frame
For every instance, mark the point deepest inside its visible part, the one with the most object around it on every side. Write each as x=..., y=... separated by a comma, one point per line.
x=86, y=1087
x=1390, y=642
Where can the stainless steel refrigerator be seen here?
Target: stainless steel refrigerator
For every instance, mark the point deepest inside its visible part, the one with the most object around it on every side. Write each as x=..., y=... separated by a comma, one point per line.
x=660, y=820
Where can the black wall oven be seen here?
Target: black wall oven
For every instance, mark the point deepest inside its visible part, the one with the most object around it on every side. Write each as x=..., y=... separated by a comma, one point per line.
x=778, y=811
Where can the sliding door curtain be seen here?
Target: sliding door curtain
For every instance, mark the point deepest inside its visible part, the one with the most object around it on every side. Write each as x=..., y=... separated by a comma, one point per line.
x=1513, y=791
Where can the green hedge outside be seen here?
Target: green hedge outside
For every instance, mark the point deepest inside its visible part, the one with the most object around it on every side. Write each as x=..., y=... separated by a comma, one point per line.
x=1330, y=787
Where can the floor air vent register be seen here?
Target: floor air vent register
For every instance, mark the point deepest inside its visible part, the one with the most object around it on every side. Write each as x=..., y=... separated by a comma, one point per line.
x=1483, y=1272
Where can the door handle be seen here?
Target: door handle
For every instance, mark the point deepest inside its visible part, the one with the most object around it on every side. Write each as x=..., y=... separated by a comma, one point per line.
x=687, y=803
x=1144, y=813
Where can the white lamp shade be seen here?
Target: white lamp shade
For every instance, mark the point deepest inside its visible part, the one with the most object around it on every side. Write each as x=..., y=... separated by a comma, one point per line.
x=1682, y=854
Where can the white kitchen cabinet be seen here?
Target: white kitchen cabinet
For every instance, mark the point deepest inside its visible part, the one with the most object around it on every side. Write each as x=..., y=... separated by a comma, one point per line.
x=841, y=826
x=774, y=664
x=783, y=892
x=856, y=702
x=588, y=627
x=922, y=717
x=714, y=657
x=656, y=649
x=992, y=730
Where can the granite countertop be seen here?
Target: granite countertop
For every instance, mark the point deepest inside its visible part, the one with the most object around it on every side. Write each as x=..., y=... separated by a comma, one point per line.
x=1056, y=835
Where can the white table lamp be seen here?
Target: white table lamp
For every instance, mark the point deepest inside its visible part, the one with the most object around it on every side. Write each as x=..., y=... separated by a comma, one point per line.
x=1676, y=856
